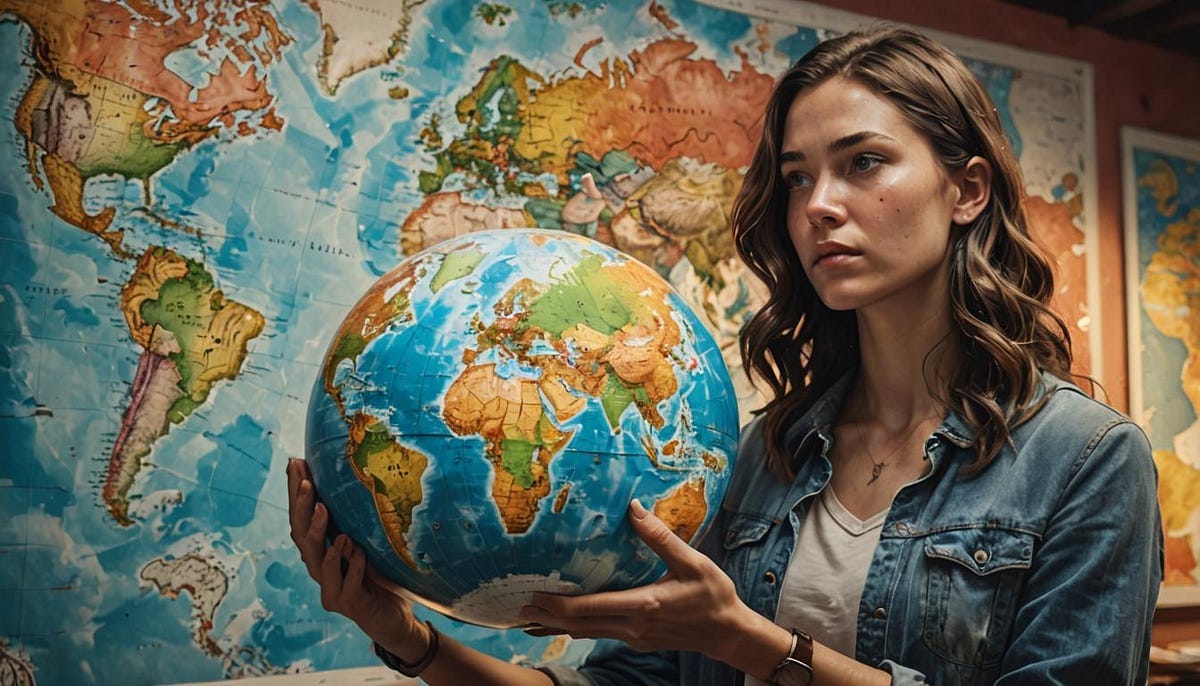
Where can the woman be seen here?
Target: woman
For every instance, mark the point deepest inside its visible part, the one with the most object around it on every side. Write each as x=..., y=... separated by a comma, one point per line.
x=926, y=499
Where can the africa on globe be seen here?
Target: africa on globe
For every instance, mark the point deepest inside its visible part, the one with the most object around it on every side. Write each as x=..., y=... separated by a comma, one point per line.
x=488, y=409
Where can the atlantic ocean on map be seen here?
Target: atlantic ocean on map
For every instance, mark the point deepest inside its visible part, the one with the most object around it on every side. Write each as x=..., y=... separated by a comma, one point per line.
x=198, y=191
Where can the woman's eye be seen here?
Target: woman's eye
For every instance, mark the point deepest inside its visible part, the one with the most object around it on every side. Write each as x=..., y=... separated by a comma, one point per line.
x=795, y=180
x=865, y=162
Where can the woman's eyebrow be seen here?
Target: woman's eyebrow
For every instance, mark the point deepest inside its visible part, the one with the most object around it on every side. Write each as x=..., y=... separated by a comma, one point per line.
x=837, y=145
x=856, y=138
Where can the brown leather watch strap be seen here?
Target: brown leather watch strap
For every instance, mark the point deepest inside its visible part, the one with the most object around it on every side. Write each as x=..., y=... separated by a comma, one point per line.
x=804, y=647
x=796, y=668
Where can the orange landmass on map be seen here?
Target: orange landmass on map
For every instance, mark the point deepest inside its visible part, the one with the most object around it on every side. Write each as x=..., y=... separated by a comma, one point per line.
x=1053, y=226
x=384, y=304
x=108, y=40
x=192, y=337
x=1178, y=496
x=203, y=580
x=1171, y=295
x=102, y=100
x=521, y=442
x=657, y=105
x=684, y=508
x=519, y=417
x=66, y=184
x=1163, y=185
x=1178, y=560
x=447, y=215
x=392, y=473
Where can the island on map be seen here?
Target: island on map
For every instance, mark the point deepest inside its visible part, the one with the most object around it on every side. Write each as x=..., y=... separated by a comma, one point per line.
x=359, y=35
x=204, y=581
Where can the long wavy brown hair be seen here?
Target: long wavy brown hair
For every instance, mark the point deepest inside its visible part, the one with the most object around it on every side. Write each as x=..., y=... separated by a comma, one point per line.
x=1000, y=280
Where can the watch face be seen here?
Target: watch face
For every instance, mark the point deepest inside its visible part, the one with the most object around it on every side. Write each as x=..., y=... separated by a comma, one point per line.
x=792, y=673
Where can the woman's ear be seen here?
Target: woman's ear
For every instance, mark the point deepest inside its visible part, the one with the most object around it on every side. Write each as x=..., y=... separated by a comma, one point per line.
x=974, y=190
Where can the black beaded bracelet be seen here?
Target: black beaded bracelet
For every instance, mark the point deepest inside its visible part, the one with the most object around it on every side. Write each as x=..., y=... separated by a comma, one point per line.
x=411, y=670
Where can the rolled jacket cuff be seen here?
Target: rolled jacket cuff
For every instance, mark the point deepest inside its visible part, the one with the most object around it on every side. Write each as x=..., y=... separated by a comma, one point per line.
x=901, y=675
x=562, y=676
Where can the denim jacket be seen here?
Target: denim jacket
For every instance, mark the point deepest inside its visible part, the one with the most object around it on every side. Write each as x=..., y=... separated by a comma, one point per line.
x=1044, y=568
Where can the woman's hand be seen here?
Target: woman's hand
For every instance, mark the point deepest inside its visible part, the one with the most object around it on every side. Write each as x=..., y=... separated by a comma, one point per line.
x=693, y=607
x=349, y=586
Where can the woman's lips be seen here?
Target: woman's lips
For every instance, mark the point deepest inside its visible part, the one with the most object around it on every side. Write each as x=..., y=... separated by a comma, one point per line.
x=836, y=257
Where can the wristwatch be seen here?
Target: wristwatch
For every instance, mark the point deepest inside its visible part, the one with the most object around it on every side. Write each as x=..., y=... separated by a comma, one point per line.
x=796, y=668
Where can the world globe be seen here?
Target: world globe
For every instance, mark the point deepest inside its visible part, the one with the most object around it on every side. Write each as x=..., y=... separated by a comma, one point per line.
x=488, y=409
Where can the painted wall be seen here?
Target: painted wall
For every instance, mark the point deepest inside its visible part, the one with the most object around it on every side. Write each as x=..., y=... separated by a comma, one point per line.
x=1135, y=85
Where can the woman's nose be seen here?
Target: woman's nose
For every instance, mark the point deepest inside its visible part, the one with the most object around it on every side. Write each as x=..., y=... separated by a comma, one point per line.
x=825, y=203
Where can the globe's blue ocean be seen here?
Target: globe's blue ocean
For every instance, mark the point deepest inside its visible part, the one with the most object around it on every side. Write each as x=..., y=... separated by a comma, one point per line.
x=404, y=378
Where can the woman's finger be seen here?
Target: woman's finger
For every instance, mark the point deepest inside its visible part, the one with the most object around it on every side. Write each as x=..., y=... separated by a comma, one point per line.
x=548, y=624
x=300, y=508
x=604, y=604
x=671, y=548
x=352, y=584
x=293, y=479
x=295, y=476
x=312, y=541
x=331, y=575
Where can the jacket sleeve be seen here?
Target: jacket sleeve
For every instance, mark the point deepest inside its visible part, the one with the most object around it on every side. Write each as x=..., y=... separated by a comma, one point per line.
x=612, y=663
x=1085, y=611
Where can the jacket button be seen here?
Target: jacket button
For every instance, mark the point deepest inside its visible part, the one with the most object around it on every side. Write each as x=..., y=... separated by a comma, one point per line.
x=880, y=613
x=769, y=577
x=981, y=556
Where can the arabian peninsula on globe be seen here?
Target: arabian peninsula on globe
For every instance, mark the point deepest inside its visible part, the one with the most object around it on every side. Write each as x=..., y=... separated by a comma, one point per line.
x=489, y=408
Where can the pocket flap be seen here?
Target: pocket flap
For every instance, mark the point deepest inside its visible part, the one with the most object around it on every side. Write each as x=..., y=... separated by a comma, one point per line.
x=982, y=550
x=745, y=528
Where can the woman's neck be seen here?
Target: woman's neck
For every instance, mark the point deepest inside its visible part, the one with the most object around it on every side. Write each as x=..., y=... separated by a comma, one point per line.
x=907, y=362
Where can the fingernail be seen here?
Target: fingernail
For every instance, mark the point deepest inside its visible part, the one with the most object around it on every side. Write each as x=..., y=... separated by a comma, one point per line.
x=635, y=507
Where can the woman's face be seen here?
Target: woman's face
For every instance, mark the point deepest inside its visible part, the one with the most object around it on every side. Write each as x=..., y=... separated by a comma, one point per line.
x=869, y=204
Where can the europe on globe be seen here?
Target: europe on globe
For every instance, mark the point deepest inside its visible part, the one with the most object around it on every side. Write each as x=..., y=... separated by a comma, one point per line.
x=488, y=409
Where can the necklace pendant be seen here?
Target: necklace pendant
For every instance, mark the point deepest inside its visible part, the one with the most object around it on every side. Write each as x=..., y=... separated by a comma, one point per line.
x=875, y=471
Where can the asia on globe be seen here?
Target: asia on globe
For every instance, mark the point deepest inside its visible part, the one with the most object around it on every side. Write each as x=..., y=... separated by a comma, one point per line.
x=488, y=409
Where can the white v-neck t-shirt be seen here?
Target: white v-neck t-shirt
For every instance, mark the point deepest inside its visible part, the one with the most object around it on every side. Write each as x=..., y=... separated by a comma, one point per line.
x=823, y=584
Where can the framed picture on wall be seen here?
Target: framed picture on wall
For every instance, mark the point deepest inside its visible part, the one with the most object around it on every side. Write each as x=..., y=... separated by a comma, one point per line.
x=1161, y=178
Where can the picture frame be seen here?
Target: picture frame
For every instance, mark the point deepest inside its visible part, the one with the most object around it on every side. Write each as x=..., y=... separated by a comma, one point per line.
x=1161, y=195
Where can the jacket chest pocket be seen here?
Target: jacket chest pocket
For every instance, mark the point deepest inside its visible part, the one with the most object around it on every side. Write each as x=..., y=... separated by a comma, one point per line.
x=974, y=576
x=743, y=550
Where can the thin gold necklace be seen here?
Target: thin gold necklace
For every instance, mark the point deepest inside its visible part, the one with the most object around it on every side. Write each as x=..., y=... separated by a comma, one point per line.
x=877, y=466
